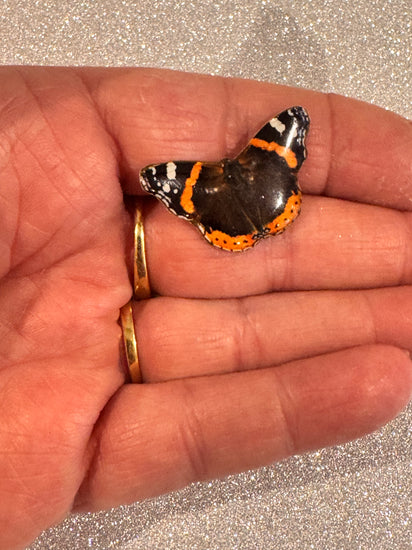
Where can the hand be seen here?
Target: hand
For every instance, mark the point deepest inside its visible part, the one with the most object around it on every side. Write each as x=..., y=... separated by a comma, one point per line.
x=299, y=344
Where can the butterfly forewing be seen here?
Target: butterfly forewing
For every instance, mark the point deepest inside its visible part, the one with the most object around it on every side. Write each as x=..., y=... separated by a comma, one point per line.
x=285, y=134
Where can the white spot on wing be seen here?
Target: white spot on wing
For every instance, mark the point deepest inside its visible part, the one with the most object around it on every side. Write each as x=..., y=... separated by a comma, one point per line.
x=171, y=170
x=278, y=125
x=166, y=188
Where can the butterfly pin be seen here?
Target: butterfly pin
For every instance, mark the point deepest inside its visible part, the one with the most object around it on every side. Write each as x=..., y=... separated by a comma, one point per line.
x=236, y=203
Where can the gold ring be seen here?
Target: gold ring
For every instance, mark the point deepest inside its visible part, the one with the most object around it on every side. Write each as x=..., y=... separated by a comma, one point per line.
x=130, y=343
x=141, y=286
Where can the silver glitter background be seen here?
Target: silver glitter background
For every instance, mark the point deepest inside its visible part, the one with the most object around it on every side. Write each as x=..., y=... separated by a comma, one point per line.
x=356, y=496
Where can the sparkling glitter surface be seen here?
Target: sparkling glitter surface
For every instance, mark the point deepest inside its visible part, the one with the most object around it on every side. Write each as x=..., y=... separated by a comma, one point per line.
x=361, y=49
x=356, y=496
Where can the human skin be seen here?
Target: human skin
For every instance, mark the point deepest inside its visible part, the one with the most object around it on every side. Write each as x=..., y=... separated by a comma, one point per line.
x=247, y=358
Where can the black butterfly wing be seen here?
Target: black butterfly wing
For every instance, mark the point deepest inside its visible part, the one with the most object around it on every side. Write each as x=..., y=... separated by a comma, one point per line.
x=220, y=215
x=202, y=194
x=268, y=169
x=167, y=182
x=285, y=136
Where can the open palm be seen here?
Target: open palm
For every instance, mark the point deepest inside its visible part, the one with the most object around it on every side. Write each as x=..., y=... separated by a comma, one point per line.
x=246, y=358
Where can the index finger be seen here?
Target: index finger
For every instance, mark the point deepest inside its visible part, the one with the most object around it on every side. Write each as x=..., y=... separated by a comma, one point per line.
x=356, y=151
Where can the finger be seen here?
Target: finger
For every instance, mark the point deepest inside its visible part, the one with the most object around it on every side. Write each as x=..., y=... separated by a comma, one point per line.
x=158, y=437
x=333, y=244
x=186, y=338
x=355, y=151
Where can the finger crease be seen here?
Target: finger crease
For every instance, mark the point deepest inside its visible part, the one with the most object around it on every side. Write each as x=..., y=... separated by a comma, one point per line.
x=247, y=338
x=285, y=406
x=191, y=437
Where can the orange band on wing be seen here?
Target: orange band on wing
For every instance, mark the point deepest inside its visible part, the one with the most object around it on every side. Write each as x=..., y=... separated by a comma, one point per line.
x=186, y=198
x=291, y=211
x=284, y=152
x=222, y=240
